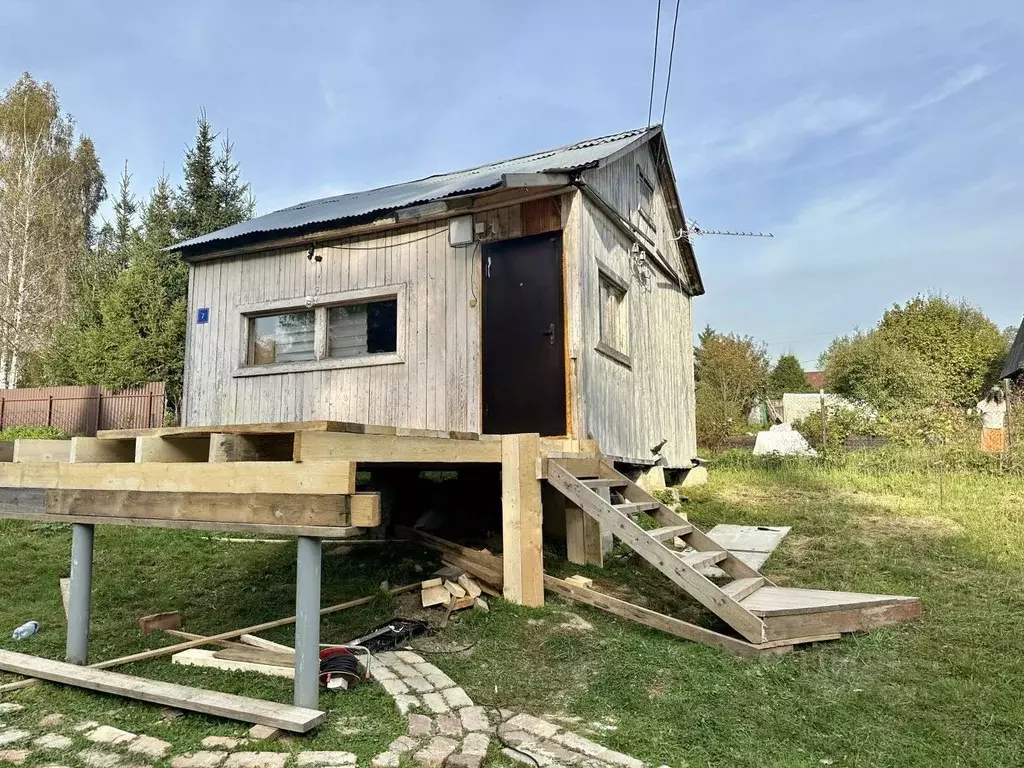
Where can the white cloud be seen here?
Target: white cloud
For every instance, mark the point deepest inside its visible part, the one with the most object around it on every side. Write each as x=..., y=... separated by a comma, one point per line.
x=965, y=78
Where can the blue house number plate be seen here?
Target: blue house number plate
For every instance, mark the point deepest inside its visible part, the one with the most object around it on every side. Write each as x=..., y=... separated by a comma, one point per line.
x=203, y=315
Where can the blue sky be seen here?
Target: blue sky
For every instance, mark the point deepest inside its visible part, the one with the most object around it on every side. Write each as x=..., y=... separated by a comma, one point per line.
x=882, y=142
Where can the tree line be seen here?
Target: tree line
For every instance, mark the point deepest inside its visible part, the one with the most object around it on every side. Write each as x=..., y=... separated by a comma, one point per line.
x=920, y=368
x=91, y=301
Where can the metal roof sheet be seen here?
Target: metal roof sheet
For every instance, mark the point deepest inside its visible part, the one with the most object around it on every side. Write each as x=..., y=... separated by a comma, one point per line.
x=568, y=158
x=1015, y=360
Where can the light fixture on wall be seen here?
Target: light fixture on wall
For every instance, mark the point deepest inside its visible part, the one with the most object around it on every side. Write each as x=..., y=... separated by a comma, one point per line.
x=312, y=255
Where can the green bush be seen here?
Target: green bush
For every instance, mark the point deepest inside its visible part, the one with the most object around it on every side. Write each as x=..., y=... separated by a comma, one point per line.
x=717, y=418
x=34, y=433
x=840, y=423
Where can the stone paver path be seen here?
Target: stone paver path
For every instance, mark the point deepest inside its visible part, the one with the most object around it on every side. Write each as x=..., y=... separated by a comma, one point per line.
x=447, y=729
x=444, y=729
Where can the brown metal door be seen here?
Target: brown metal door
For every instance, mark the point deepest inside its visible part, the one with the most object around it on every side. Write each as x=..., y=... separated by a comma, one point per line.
x=523, y=336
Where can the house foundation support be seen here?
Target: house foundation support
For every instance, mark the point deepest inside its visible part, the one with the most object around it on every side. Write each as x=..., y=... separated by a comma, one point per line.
x=307, y=623
x=522, y=519
x=80, y=601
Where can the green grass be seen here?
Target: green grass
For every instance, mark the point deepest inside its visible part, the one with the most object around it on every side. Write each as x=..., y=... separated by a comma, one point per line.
x=942, y=691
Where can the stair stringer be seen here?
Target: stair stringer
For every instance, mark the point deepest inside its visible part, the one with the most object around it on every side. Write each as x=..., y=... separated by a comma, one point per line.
x=691, y=581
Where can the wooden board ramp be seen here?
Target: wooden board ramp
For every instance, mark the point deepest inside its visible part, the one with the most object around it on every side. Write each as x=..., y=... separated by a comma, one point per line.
x=750, y=603
x=284, y=716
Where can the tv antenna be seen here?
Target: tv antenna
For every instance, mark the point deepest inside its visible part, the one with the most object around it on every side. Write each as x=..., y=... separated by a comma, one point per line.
x=693, y=229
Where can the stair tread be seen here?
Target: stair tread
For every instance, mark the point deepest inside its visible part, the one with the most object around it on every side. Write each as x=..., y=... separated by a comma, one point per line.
x=604, y=482
x=670, y=531
x=706, y=557
x=635, y=507
x=741, y=588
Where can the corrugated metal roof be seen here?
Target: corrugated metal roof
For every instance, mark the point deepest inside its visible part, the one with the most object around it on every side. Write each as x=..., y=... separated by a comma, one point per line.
x=1015, y=361
x=572, y=157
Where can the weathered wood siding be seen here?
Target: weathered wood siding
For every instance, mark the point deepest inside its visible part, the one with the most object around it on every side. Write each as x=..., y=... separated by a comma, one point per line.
x=630, y=409
x=437, y=384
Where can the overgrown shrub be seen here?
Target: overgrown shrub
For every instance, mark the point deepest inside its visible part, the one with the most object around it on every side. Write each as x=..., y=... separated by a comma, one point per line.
x=34, y=433
x=717, y=418
x=840, y=423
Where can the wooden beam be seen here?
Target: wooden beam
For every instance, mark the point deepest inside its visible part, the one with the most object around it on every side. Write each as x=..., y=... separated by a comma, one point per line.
x=261, y=428
x=657, y=620
x=229, y=447
x=335, y=446
x=226, y=705
x=841, y=621
x=92, y=450
x=487, y=568
x=248, y=477
x=42, y=450
x=199, y=641
x=521, y=516
x=582, y=537
x=266, y=509
x=165, y=450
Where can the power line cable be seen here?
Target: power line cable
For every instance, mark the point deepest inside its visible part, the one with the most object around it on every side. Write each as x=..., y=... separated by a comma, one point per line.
x=671, y=55
x=654, y=66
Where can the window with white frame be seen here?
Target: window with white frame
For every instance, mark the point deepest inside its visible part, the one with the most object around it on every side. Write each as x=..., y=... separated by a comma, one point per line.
x=645, y=201
x=340, y=330
x=613, y=311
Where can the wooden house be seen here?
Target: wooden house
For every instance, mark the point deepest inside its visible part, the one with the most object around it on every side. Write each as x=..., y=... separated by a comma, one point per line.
x=548, y=293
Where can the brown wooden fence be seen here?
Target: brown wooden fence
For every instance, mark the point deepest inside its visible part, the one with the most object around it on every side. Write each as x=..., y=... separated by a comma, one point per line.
x=83, y=410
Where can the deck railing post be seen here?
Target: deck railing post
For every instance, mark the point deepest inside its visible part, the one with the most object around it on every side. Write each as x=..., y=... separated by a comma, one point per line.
x=307, y=623
x=80, y=601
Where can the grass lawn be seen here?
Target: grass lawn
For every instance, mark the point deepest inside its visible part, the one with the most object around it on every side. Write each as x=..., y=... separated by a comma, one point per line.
x=943, y=691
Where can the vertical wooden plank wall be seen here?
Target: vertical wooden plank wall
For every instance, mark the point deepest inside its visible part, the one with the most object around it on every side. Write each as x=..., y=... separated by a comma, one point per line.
x=631, y=409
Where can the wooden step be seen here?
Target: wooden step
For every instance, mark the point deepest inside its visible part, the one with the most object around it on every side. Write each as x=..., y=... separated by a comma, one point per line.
x=603, y=482
x=629, y=510
x=669, y=532
x=741, y=588
x=708, y=557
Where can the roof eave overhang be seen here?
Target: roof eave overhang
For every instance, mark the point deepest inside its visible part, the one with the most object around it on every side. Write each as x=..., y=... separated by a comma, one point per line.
x=426, y=210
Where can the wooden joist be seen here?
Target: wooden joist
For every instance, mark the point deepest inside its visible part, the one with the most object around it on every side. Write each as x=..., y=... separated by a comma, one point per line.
x=398, y=449
x=42, y=450
x=285, y=716
x=249, y=477
x=274, y=514
x=91, y=450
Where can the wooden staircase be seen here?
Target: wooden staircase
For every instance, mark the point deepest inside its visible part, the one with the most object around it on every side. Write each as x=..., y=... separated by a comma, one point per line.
x=749, y=602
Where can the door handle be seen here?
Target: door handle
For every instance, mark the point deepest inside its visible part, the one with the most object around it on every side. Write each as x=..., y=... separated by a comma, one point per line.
x=550, y=333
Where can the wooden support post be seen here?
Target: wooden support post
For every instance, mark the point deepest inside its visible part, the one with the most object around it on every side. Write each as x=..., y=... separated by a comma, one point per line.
x=522, y=519
x=582, y=537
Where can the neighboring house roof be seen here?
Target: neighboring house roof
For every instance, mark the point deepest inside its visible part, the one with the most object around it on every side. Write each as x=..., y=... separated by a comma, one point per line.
x=1015, y=360
x=815, y=379
x=551, y=167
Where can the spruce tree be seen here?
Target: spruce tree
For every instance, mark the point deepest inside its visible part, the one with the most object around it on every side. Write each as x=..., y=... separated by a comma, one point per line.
x=788, y=376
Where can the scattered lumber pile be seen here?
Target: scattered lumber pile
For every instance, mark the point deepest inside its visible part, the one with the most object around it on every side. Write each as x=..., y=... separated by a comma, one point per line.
x=454, y=595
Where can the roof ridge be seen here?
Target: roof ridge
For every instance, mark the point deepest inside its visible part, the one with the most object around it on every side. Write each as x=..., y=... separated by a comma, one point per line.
x=474, y=169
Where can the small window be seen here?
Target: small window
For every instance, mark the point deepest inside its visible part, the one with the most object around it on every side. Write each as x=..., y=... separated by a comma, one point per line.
x=645, y=197
x=285, y=338
x=614, y=317
x=362, y=329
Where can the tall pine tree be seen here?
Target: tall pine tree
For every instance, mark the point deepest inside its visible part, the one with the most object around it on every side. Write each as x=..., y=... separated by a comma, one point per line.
x=136, y=332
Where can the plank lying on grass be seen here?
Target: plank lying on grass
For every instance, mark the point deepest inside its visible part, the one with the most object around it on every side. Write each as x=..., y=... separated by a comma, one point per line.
x=285, y=716
x=203, y=640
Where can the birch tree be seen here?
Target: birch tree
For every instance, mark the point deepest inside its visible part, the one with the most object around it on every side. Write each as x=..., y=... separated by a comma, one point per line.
x=50, y=188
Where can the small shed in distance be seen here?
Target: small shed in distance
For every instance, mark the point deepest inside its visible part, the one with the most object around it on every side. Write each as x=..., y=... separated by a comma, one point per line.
x=547, y=293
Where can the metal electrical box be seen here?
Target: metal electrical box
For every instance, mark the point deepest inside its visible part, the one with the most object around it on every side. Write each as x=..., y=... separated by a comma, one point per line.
x=460, y=230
